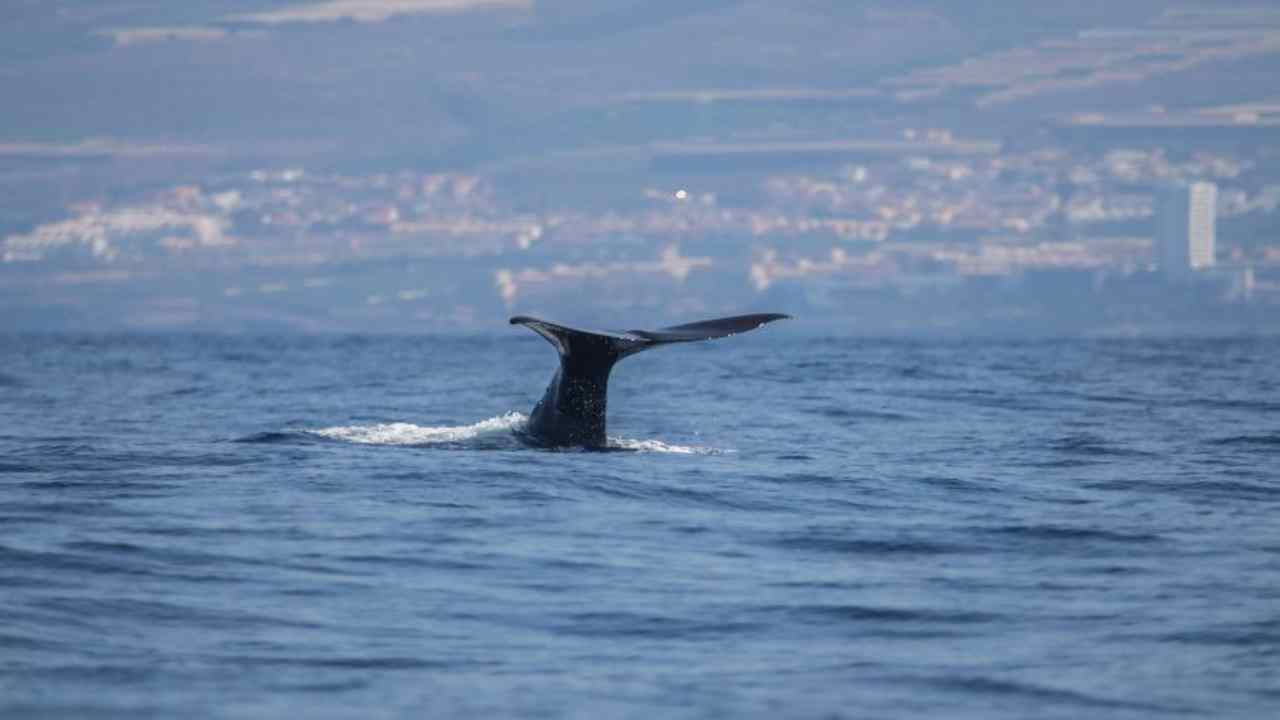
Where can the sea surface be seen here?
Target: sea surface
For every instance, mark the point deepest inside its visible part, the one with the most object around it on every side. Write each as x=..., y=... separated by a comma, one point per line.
x=786, y=526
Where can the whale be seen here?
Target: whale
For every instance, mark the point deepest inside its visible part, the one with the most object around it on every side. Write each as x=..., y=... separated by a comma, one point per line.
x=573, y=409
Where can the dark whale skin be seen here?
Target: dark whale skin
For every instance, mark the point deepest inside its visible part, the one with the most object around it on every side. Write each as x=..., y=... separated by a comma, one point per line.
x=573, y=410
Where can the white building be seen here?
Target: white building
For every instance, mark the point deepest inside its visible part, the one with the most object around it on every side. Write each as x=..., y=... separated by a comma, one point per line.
x=1186, y=216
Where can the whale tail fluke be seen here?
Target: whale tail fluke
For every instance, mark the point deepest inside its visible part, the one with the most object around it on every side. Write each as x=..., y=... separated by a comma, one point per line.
x=570, y=341
x=572, y=411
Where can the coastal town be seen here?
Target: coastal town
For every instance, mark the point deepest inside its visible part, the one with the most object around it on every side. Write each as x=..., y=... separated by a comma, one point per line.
x=896, y=222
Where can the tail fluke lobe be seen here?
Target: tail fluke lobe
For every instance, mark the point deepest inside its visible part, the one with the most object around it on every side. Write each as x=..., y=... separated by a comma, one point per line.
x=708, y=329
x=574, y=342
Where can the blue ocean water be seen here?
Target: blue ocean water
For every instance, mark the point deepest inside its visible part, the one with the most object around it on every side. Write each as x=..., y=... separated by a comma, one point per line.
x=791, y=526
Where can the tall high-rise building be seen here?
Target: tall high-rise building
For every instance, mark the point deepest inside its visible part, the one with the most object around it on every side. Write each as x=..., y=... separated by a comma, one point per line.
x=1186, y=216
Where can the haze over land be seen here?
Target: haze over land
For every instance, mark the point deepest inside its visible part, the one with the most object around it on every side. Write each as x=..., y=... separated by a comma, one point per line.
x=411, y=165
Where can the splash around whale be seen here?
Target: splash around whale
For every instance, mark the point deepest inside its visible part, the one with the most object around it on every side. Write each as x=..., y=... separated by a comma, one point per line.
x=572, y=411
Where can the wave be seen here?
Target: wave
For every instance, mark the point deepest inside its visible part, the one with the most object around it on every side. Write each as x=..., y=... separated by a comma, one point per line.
x=990, y=687
x=1265, y=440
x=1091, y=445
x=269, y=438
x=1063, y=533
x=872, y=613
x=7, y=467
x=828, y=543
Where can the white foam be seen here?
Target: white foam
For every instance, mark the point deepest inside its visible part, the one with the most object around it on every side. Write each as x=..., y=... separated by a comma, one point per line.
x=658, y=446
x=410, y=434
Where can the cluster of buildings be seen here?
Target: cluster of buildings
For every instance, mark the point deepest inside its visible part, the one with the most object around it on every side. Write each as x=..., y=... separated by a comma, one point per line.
x=893, y=223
